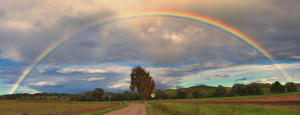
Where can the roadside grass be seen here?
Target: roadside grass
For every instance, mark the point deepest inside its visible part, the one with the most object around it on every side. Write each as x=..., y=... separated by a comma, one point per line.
x=153, y=110
x=106, y=110
x=220, y=109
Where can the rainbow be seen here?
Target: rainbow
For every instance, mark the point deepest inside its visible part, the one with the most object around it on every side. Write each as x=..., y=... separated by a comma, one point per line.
x=173, y=14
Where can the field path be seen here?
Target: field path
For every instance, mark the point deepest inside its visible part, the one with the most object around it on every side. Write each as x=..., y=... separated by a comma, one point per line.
x=131, y=109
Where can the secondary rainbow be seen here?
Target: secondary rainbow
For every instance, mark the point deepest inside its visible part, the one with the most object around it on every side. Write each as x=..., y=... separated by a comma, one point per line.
x=172, y=14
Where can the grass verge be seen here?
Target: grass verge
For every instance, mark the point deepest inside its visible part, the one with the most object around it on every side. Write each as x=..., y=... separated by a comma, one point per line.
x=152, y=110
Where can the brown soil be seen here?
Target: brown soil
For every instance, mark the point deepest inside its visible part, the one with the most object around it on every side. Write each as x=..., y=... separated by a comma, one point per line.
x=293, y=100
x=69, y=111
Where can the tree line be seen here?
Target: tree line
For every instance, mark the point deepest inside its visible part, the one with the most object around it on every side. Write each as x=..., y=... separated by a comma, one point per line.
x=236, y=90
x=142, y=87
x=202, y=91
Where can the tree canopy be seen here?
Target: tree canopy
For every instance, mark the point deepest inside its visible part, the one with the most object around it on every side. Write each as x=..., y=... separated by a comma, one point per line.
x=277, y=87
x=290, y=87
x=142, y=81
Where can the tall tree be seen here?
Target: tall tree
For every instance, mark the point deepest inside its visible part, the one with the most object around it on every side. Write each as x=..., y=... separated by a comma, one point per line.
x=142, y=81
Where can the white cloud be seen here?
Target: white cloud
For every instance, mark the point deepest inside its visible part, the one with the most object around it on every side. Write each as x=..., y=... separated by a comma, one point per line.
x=267, y=72
x=151, y=29
x=43, y=83
x=4, y=89
x=43, y=68
x=295, y=57
x=174, y=37
x=95, y=78
x=119, y=86
x=18, y=25
x=96, y=69
x=266, y=80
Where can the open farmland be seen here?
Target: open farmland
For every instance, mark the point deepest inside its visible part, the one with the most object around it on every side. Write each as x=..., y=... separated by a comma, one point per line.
x=257, y=105
x=271, y=99
x=51, y=108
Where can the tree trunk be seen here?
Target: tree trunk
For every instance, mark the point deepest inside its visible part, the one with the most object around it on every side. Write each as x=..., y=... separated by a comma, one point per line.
x=142, y=98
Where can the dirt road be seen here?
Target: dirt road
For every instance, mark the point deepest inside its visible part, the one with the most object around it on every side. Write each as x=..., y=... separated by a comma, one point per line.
x=131, y=109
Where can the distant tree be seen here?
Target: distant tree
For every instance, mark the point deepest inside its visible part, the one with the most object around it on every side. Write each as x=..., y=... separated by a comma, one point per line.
x=290, y=87
x=128, y=95
x=142, y=81
x=120, y=96
x=277, y=87
x=238, y=89
x=181, y=94
x=159, y=94
x=220, y=91
x=86, y=96
x=201, y=94
x=254, y=89
x=97, y=94
x=196, y=94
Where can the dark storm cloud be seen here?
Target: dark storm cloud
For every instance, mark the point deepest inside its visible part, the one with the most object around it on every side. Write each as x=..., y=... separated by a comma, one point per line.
x=271, y=23
x=27, y=45
x=2, y=14
x=241, y=79
x=155, y=41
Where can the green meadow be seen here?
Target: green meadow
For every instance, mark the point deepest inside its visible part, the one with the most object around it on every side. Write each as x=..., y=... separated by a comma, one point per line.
x=163, y=108
x=186, y=106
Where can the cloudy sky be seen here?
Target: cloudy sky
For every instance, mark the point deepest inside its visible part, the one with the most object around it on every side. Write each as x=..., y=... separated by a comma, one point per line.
x=176, y=52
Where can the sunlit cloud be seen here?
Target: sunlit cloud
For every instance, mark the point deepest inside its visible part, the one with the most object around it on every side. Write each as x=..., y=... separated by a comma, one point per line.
x=95, y=78
x=119, y=86
x=267, y=80
x=43, y=83
x=96, y=69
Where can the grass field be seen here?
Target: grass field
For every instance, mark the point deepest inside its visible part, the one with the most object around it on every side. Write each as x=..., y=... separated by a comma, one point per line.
x=272, y=104
x=239, y=105
x=219, y=109
x=49, y=107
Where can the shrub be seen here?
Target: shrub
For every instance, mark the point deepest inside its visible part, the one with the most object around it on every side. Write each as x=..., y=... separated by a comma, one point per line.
x=220, y=91
x=277, y=87
x=290, y=87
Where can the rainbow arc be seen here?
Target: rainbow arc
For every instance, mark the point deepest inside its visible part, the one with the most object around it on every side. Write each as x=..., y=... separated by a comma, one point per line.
x=172, y=14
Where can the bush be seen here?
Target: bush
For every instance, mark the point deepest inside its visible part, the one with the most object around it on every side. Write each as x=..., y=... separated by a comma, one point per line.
x=160, y=94
x=277, y=88
x=254, y=89
x=290, y=87
x=239, y=89
x=181, y=94
x=220, y=91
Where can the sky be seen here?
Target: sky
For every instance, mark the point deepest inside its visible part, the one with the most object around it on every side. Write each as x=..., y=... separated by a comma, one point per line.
x=177, y=52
